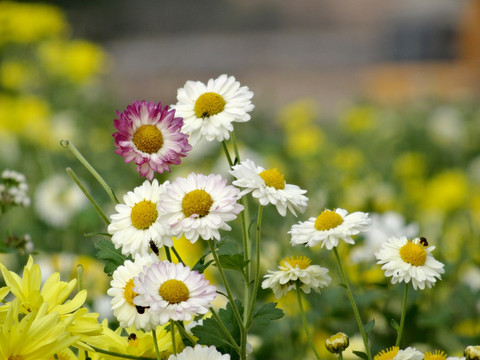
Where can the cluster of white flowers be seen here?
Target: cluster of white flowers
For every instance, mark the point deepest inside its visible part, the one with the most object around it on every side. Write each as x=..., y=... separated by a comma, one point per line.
x=13, y=189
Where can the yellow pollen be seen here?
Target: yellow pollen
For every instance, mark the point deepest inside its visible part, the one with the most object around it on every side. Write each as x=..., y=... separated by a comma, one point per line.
x=209, y=104
x=174, y=291
x=413, y=254
x=196, y=202
x=301, y=261
x=144, y=214
x=273, y=178
x=387, y=354
x=148, y=139
x=328, y=220
x=437, y=355
x=128, y=293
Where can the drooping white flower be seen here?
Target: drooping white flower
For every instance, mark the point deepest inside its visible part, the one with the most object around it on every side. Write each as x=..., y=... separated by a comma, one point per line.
x=296, y=271
x=200, y=352
x=269, y=187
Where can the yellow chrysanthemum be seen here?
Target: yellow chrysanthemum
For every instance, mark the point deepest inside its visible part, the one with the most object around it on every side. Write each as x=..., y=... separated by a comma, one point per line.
x=38, y=335
x=137, y=342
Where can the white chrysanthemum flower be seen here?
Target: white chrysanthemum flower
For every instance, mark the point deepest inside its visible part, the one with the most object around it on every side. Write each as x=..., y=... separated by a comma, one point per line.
x=383, y=226
x=293, y=271
x=407, y=261
x=209, y=110
x=472, y=352
x=136, y=223
x=199, y=206
x=173, y=292
x=58, y=199
x=395, y=353
x=122, y=293
x=269, y=187
x=200, y=352
x=329, y=228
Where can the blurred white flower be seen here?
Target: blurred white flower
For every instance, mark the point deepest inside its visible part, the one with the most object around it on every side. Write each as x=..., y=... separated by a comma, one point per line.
x=382, y=228
x=58, y=199
x=471, y=277
x=446, y=126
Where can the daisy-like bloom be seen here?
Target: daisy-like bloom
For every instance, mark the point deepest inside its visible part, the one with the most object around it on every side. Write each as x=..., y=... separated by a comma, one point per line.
x=151, y=136
x=472, y=352
x=136, y=222
x=406, y=260
x=329, y=228
x=13, y=189
x=296, y=271
x=172, y=292
x=198, y=206
x=395, y=353
x=209, y=110
x=436, y=355
x=122, y=293
x=37, y=335
x=269, y=187
x=337, y=343
x=200, y=352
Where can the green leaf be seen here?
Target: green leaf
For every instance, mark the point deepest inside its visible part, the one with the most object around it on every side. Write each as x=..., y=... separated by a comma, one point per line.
x=361, y=355
x=395, y=325
x=210, y=333
x=369, y=327
x=106, y=251
x=233, y=262
x=267, y=313
x=201, y=265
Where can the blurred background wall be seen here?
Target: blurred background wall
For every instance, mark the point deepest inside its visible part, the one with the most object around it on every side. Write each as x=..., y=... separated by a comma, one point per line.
x=331, y=51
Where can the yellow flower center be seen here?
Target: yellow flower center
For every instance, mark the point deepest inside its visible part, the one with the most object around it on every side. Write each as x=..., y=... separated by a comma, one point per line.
x=209, y=104
x=301, y=261
x=174, y=291
x=328, y=220
x=128, y=293
x=148, y=139
x=413, y=254
x=388, y=354
x=196, y=202
x=273, y=178
x=144, y=214
x=437, y=355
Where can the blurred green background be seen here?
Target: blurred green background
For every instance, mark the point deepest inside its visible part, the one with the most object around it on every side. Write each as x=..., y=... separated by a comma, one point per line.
x=369, y=106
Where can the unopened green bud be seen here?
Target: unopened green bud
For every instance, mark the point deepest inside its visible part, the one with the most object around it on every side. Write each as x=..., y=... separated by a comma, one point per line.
x=337, y=343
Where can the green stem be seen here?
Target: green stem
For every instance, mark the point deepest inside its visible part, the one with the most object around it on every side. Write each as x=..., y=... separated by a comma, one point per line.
x=167, y=253
x=305, y=325
x=229, y=336
x=353, y=304
x=402, y=319
x=185, y=334
x=177, y=255
x=257, y=267
x=87, y=194
x=69, y=145
x=227, y=153
x=172, y=332
x=235, y=147
x=123, y=356
x=155, y=344
x=225, y=283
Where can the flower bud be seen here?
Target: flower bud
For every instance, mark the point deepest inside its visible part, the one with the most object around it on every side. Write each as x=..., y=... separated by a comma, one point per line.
x=472, y=352
x=337, y=343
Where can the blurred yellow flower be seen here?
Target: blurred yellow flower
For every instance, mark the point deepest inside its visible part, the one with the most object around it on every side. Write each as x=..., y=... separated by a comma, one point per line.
x=360, y=118
x=348, y=159
x=469, y=327
x=298, y=114
x=27, y=23
x=305, y=141
x=410, y=165
x=15, y=75
x=446, y=191
x=77, y=61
